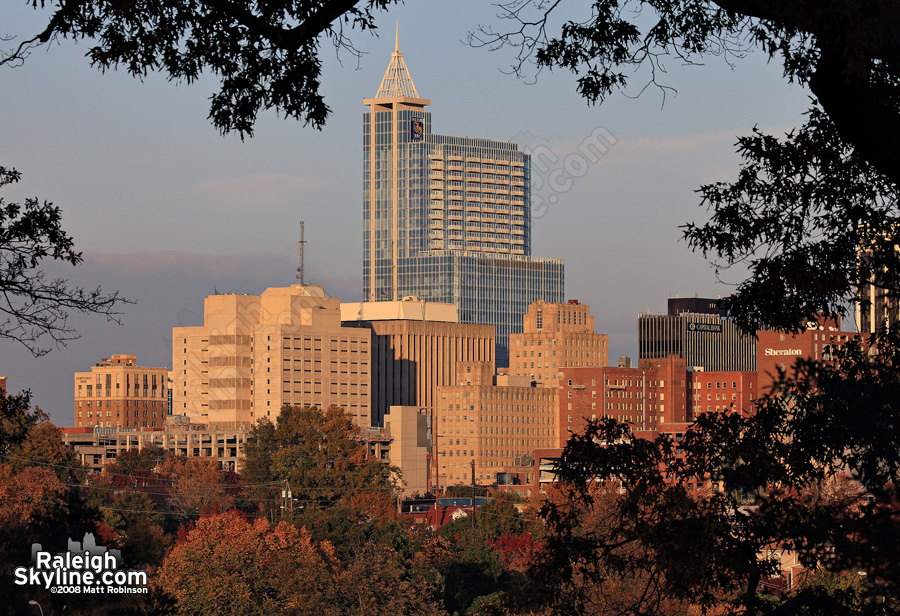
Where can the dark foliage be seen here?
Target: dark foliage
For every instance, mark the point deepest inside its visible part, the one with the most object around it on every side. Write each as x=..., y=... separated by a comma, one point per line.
x=265, y=52
x=813, y=472
x=32, y=305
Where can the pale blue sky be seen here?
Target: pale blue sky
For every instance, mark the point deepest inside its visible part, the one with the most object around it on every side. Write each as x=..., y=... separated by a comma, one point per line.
x=166, y=210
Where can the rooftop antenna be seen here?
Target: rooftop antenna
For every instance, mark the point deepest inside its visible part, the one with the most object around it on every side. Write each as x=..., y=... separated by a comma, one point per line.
x=300, y=250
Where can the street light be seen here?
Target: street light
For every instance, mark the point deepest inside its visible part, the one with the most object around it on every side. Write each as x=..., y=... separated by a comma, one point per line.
x=33, y=602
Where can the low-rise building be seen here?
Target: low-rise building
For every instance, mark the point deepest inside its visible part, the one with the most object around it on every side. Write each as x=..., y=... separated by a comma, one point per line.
x=97, y=447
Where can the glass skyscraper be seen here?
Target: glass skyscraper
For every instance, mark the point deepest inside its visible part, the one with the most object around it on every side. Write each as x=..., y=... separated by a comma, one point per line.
x=448, y=219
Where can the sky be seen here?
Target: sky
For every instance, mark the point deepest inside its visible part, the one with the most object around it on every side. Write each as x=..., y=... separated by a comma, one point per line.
x=168, y=211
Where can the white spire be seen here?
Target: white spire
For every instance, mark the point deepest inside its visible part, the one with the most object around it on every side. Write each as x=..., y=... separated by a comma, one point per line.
x=396, y=81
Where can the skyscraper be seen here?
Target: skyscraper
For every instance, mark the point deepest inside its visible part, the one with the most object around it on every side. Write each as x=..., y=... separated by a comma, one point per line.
x=448, y=219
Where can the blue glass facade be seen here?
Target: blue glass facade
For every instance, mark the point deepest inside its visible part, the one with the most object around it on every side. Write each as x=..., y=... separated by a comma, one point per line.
x=448, y=219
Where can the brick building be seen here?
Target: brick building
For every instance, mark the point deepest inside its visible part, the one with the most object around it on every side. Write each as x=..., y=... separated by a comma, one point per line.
x=118, y=392
x=780, y=350
x=646, y=396
x=714, y=392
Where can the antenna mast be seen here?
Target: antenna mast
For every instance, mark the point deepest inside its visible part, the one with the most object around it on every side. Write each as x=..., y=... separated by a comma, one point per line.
x=300, y=249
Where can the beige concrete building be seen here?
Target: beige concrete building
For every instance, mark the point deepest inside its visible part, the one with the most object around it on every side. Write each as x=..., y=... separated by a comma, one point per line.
x=118, y=392
x=257, y=353
x=497, y=426
x=408, y=427
x=556, y=336
x=415, y=349
x=221, y=443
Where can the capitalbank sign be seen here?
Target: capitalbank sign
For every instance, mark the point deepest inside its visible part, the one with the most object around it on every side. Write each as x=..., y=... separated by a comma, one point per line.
x=783, y=352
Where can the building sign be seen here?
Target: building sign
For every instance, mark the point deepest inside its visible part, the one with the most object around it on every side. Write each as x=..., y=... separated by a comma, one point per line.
x=783, y=352
x=416, y=130
x=705, y=327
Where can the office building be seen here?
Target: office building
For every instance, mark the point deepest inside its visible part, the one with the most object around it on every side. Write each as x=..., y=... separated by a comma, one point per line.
x=448, y=219
x=497, y=425
x=256, y=353
x=695, y=330
x=415, y=348
x=117, y=392
x=556, y=336
x=876, y=308
x=645, y=397
x=718, y=392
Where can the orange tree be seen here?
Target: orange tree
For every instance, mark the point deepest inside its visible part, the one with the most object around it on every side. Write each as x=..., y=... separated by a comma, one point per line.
x=227, y=565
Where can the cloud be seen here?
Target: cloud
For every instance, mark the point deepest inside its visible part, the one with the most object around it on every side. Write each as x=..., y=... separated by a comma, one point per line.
x=255, y=191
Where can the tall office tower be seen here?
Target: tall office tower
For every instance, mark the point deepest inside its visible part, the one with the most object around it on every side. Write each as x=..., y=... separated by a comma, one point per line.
x=696, y=331
x=255, y=353
x=556, y=336
x=119, y=393
x=448, y=219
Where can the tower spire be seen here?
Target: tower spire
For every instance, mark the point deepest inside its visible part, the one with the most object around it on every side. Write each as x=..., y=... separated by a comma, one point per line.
x=396, y=81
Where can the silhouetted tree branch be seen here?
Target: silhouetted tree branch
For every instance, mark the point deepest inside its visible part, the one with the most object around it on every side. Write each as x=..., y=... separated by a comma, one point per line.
x=266, y=53
x=35, y=306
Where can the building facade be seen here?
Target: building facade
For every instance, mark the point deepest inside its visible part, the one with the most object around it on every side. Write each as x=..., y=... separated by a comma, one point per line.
x=497, y=426
x=415, y=349
x=447, y=219
x=222, y=444
x=556, y=336
x=257, y=353
x=645, y=397
x=779, y=351
x=717, y=392
x=119, y=393
x=704, y=339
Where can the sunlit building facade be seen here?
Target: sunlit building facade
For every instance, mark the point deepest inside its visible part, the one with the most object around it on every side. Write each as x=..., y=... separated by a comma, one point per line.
x=556, y=336
x=117, y=392
x=256, y=353
x=448, y=219
x=697, y=332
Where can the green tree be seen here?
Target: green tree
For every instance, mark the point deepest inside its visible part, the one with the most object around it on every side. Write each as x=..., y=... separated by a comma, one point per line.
x=137, y=461
x=317, y=453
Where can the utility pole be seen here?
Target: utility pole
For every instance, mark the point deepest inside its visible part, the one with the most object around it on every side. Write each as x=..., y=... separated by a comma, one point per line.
x=287, y=501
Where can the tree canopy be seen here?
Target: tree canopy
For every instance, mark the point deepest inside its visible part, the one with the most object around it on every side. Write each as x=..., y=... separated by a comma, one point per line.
x=265, y=52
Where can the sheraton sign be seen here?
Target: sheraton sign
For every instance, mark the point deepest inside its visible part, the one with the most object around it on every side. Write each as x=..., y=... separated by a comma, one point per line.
x=782, y=352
